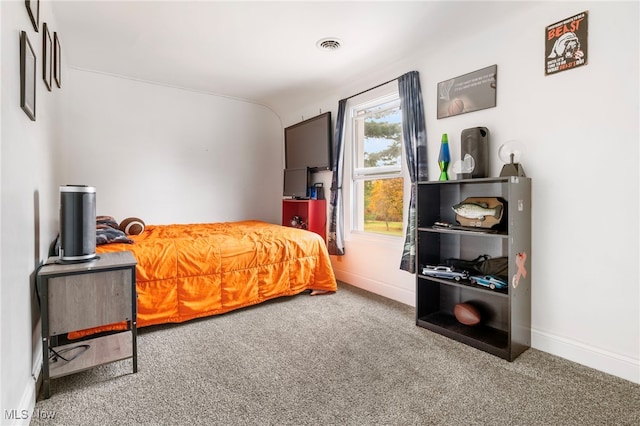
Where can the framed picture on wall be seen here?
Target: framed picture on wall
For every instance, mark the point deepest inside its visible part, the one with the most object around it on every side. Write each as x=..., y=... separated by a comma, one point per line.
x=27, y=77
x=566, y=44
x=57, y=60
x=33, y=7
x=47, y=56
x=467, y=93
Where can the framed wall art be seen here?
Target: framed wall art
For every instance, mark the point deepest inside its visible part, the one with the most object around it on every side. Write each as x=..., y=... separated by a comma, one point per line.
x=27, y=77
x=47, y=56
x=467, y=93
x=566, y=43
x=57, y=60
x=33, y=7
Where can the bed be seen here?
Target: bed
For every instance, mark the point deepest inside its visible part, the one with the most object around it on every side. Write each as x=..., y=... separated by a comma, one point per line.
x=188, y=271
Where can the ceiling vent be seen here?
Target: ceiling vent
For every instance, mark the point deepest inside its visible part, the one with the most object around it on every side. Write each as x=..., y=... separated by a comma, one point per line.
x=328, y=44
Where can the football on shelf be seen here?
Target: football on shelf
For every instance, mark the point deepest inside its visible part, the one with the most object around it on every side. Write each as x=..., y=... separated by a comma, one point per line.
x=467, y=314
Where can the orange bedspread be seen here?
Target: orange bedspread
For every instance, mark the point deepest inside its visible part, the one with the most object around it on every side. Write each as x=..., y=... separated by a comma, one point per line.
x=197, y=270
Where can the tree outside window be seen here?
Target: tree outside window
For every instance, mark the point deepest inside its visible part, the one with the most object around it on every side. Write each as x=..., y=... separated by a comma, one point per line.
x=377, y=173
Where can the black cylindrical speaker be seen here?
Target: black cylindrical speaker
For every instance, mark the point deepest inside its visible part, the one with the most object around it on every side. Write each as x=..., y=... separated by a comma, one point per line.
x=77, y=223
x=475, y=142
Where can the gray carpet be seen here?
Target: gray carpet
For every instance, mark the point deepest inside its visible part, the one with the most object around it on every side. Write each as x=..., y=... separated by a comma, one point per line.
x=349, y=358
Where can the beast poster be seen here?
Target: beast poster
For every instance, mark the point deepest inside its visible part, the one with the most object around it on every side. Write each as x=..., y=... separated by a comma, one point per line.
x=566, y=44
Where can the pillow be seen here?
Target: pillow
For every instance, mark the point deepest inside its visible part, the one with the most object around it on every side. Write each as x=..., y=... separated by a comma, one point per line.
x=107, y=235
x=132, y=226
x=107, y=231
x=106, y=221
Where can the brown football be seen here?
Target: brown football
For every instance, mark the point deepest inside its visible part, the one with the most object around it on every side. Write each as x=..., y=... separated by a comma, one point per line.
x=132, y=226
x=467, y=314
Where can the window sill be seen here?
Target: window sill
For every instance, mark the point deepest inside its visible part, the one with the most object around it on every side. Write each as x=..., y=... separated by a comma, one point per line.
x=375, y=238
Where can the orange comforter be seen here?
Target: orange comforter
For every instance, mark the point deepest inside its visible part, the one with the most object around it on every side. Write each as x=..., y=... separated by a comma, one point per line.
x=197, y=270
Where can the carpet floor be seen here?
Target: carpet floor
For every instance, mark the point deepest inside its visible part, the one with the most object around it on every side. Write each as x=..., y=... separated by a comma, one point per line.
x=349, y=358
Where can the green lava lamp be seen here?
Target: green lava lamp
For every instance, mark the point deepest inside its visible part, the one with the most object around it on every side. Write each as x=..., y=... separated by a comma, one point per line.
x=444, y=158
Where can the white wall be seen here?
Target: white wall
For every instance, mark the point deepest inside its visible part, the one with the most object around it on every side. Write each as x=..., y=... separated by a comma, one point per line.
x=28, y=215
x=1, y=168
x=164, y=154
x=585, y=277
x=581, y=131
x=169, y=155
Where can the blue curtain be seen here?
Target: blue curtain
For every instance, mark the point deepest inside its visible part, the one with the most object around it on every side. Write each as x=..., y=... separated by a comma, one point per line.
x=336, y=225
x=414, y=134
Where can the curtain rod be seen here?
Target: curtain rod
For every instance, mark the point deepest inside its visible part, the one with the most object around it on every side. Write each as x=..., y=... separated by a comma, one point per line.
x=375, y=87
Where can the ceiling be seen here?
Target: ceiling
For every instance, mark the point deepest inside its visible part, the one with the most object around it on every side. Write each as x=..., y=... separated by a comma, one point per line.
x=263, y=52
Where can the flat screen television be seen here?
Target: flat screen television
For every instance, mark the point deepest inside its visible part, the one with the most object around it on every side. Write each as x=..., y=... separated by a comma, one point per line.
x=309, y=144
x=296, y=183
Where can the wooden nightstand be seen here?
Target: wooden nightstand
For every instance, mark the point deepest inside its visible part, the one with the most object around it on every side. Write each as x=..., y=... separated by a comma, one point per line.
x=77, y=296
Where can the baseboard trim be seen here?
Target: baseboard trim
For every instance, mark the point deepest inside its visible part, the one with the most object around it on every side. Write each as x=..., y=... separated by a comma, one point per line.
x=377, y=287
x=22, y=415
x=605, y=361
x=608, y=362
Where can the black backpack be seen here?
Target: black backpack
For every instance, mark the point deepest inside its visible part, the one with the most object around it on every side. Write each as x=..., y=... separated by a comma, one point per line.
x=482, y=265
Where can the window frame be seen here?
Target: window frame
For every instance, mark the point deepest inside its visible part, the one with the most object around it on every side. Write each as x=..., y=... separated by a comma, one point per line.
x=357, y=176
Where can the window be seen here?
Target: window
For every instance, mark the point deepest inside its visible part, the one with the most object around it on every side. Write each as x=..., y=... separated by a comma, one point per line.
x=378, y=174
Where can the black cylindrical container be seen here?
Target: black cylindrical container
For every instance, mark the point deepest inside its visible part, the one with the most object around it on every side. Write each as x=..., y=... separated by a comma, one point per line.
x=77, y=222
x=475, y=142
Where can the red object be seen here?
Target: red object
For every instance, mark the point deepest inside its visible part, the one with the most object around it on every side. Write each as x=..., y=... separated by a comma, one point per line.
x=312, y=215
x=467, y=314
